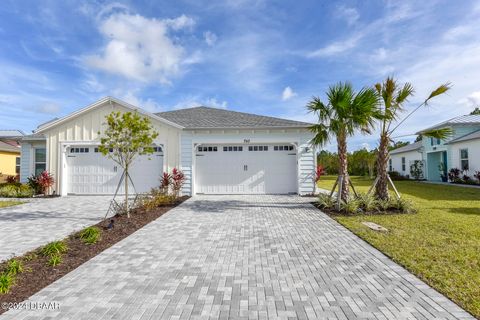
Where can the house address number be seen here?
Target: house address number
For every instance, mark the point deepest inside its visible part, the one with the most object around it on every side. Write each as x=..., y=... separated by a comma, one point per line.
x=246, y=140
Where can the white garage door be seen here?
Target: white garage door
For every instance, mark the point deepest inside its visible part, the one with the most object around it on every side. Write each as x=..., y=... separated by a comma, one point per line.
x=246, y=169
x=89, y=172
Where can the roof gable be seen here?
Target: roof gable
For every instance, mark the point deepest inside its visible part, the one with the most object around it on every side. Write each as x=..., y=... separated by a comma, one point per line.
x=99, y=103
x=213, y=118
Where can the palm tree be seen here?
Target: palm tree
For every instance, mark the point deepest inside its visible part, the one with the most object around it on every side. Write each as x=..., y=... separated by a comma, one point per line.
x=393, y=97
x=344, y=114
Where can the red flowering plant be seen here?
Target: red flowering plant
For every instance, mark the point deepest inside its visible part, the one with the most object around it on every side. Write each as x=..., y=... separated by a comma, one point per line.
x=45, y=181
x=320, y=171
x=165, y=182
x=178, y=179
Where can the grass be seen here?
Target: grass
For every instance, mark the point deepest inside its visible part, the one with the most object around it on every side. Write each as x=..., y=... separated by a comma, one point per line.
x=440, y=244
x=4, y=204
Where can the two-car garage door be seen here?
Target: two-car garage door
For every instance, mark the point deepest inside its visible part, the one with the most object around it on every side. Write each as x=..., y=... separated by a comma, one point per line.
x=246, y=169
x=89, y=172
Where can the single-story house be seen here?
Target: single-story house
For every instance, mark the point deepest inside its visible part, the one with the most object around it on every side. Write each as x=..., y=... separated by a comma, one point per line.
x=220, y=152
x=403, y=158
x=9, y=153
x=461, y=150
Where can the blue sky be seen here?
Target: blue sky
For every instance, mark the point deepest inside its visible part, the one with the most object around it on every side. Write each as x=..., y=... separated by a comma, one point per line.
x=247, y=55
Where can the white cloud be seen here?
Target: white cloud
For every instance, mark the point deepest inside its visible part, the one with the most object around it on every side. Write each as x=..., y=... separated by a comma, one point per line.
x=140, y=48
x=288, y=94
x=349, y=14
x=337, y=47
x=197, y=101
x=146, y=104
x=472, y=100
x=48, y=108
x=210, y=38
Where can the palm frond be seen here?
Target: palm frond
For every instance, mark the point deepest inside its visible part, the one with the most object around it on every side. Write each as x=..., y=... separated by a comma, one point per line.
x=442, y=133
x=404, y=93
x=440, y=90
x=321, y=134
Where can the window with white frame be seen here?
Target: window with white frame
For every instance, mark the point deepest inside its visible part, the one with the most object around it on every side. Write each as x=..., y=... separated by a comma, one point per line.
x=403, y=164
x=435, y=141
x=17, y=165
x=40, y=160
x=464, y=159
x=390, y=167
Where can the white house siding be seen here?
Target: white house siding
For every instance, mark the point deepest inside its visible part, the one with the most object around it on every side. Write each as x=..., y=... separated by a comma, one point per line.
x=410, y=157
x=27, y=158
x=473, y=147
x=301, y=137
x=84, y=129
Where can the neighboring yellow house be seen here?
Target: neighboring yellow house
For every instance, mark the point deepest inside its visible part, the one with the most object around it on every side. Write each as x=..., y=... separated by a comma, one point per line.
x=9, y=160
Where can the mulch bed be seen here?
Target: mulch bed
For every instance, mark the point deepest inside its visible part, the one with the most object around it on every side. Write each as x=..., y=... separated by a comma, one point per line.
x=38, y=273
x=335, y=213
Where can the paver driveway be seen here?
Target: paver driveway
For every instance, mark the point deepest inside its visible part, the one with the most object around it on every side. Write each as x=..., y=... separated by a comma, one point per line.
x=231, y=257
x=28, y=226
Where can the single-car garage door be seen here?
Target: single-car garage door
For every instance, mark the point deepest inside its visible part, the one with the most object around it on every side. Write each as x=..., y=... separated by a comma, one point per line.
x=246, y=169
x=89, y=172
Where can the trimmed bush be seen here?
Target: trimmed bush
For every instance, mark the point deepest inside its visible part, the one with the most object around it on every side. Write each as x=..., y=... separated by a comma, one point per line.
x=16, y=190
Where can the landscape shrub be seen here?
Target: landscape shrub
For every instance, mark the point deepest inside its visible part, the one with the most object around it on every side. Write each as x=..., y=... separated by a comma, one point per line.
x=454, y=175
x=55, y=260
x=158, y=199
x=12, y=179
x=15, y=190
x=476, y=175
x=32, y=181
x=90, y=235
x=367, y=202
x=351, y=207
x=6, y=281
x=54, y=248
x=45, y=181
x=14, y=267
x=325, y=201
x=178, y=180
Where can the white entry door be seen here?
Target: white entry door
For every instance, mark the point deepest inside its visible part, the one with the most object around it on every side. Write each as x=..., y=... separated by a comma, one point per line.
x=89, y=172
x=246, y=169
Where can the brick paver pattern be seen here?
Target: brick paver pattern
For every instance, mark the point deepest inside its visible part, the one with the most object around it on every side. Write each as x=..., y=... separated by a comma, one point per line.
x=33, y=224
x=242, y=257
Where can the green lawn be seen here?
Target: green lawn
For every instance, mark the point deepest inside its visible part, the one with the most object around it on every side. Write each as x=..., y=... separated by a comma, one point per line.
x=440, y=244
x=4, y=204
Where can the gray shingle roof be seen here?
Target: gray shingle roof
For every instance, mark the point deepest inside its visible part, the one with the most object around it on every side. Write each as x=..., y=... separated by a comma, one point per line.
x=206, y=117
x=11, y=133
x=8, y=147
x=409, y=147
x=466, y=120
x=471, y=136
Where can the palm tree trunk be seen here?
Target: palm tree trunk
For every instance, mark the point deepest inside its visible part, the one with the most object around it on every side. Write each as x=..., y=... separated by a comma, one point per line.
x=343, y=169
x=381, y=189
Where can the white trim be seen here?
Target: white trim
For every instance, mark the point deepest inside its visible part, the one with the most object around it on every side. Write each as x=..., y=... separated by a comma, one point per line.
x=99, y=103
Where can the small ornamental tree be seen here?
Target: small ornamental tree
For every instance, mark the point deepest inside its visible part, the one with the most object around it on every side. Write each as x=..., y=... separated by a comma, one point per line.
x=127, y=136
x=178, y=179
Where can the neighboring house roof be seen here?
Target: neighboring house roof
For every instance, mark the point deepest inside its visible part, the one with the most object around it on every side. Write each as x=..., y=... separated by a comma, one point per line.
x=409, y=147
x=8, y=147
x=34, y=137
x=213, y=118
x=473, y=119
x=11, y=133
x=470, y=136
x=53, y=123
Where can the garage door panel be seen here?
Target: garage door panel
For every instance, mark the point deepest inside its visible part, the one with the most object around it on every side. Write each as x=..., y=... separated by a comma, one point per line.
x=92, y=173
x=247, y=171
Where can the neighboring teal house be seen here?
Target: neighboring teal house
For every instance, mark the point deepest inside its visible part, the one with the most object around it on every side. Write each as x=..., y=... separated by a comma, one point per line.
x=461, y=150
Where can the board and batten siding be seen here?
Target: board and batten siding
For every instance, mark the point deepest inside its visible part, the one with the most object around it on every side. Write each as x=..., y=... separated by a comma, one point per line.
x=27, y=155
x=300, y=137
x=84, y=129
